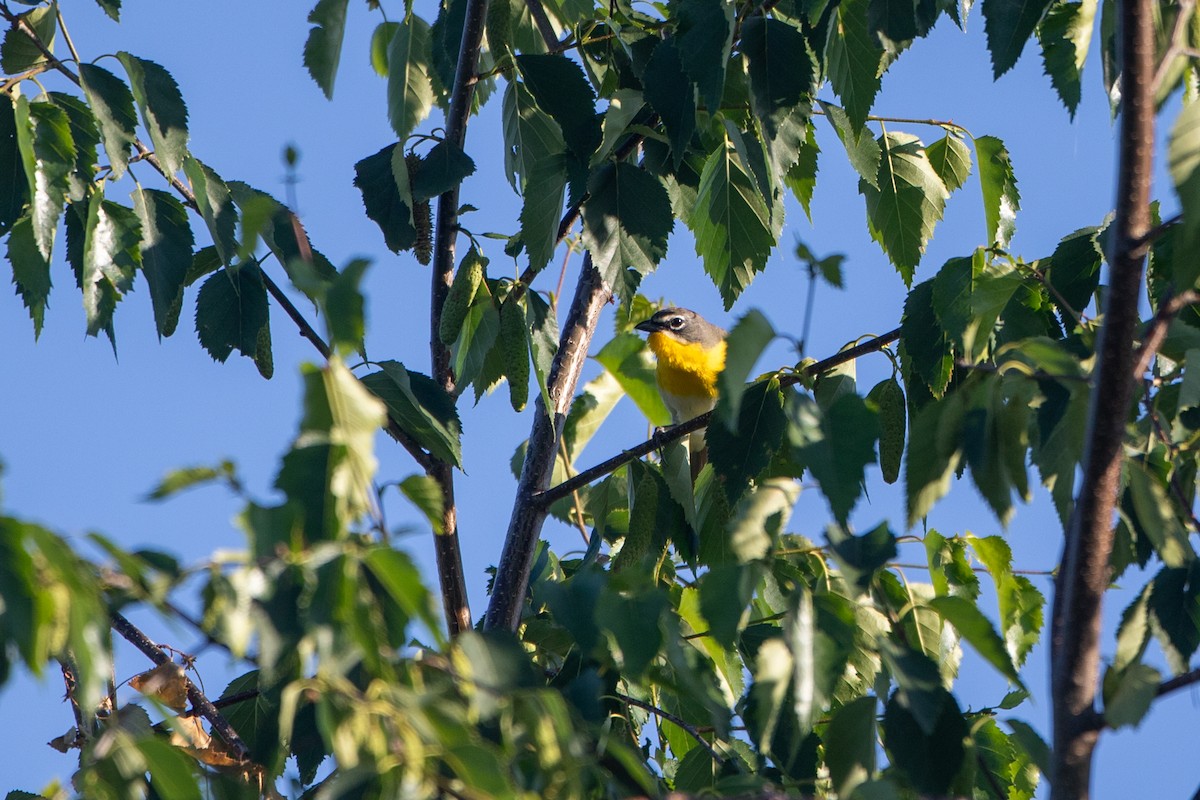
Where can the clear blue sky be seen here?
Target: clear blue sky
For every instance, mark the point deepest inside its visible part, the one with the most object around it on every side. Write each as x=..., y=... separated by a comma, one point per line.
x=85, y=435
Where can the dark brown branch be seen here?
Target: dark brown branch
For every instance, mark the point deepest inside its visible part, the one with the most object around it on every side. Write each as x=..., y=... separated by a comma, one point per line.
x=1084, y=574
x=675, y=432
x=1178, y=682
x=545, y=28
x=447, y=550
x=686, y=727
x=525, y=525
x=200, y=703
x=1156, y=330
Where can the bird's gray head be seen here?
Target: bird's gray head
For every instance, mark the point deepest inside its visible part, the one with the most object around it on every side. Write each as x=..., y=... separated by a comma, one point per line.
x=684, y=325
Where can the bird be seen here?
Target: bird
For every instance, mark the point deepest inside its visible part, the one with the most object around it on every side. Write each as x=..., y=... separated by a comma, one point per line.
x=691, y=353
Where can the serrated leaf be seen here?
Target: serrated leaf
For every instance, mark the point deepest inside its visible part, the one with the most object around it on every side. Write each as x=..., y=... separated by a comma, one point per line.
x=163, y=111
x=933, y=454
x=909, y=201
x=1129, y=693
x=973, y=626
x=44, y=140
x=860, y=557
x=760, y=517
x=1008, y=25
x=384, y=204
x=443, y=168
x=928, y=756
x=926, y=351
x=627, y=359
x=216, y=207
x=968, y=296
x=731, y=222
x=31, y=272
x=1065, y=33
x=189, y=477
x=110, y=260
x=323, y=48
x=560, y=88
x=112, y=8
x=1074, y=270
x=410, y=90
x=835, y=444
x=166, y=253
x=1183, y=157
x=112, y=103
x=624, y=107
x=421, y=408
x=232, y=314
x=1020, y=602
x=740, y=454
x=18, y=52
x=85, y=136
x=14, y=187
x=705, y=33
x=802, y=177
x=535, y=164
x=672, y=95
x=1174, y=604
x=951, y=160
x=853, y=60
x=861, y=148
x=1001, y=200
x=781, y=73
x=626, y=221
x=343, y=305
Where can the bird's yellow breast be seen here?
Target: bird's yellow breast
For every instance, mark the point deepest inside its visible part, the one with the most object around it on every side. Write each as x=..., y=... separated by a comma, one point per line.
x=687, y=369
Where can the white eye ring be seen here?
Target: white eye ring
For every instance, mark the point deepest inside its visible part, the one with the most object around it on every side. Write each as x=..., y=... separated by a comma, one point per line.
x=676, y=322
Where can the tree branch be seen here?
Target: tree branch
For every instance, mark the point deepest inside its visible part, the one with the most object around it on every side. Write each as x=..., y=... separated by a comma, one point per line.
x=1178, y=682
x=446, y=545
x=1084, y=573
x=200, y=703
x=1156, y=330
x=664, y=437
x=525, y=525
x=689, y=729
x=545, y=28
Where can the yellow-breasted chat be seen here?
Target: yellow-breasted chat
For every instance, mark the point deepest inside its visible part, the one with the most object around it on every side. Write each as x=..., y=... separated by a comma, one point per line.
x=691, y=353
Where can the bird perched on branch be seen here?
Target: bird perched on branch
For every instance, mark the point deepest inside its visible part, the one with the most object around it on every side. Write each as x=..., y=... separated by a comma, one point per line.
x=691, y=353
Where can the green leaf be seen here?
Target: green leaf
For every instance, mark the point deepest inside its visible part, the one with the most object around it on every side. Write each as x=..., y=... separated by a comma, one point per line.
x=343, y=306
x=166, y=253
x=671, y=94
x=725, y=592
x=973, y=626
x=18, y=52
x=189, y=477
x=654, y=518
x=112, y=103
x=163, y=111
x=744, y=344
x=925, y=349
x=624, y=107
x=626, y=221
x=1156, y=516
x=14, y=187
x=479, y=333
x=232, y=314
x=112, y=8
x=421, y=408
x=110, y=260
x=1074, y=270
x=781, y=73
x=861, y=148
x=860, y=557
x=1183, y=157
x=911, y=197
x=968, y=296
x=44, y=139
x=443, y=168
x=1175, y=610
x=854, y=60
x=951, y=160
x=627, y=359
x=1031, y=743
x=850, y=745
x=739, y=454
x=731, y=222
x=1128, y=694
x=385, y=205
x=426, y=494
x=934, y=454
x=1020, y=602
x=534, y=160
x=1133, y=633
x=85, y=136
x=410, y=90
x=1001, y=200
x=323, y=48
x=31, y=271
x=256, y=718
x=1065, y=33
x=759, y=518
x=929, y=757
x=1009, y=24
x=835, y=444
x=802, y=177
x=918, y=677
x=560, y=88
x=705, y=34
x=170, y=770
x=216, y=207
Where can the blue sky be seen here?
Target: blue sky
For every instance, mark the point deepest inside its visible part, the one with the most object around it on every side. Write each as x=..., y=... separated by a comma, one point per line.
x=85, y=436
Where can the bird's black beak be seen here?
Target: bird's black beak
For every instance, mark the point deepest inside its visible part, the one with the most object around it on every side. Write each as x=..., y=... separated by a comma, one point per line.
x=649, y=326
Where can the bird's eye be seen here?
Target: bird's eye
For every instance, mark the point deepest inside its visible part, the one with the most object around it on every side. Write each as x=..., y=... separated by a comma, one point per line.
x=676, y=323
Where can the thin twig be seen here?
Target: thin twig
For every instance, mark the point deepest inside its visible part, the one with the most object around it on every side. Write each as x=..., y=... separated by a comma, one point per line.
x=1183, y=16
x=544, y=26
x=1156, y=330
x=686, y=727
x=664, y=437
x=1178, y=682
x=200, y=703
